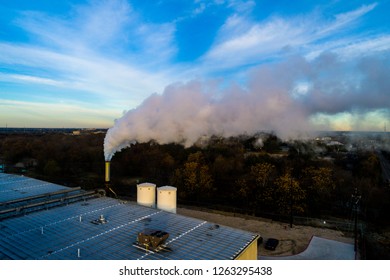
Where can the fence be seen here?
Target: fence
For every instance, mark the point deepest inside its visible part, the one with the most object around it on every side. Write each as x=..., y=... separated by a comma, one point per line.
x=344, y=225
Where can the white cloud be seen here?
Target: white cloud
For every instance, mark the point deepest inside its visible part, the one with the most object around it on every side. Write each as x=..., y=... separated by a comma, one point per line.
x=105, y=49
x=101, y=26
x=344, y=20
x=30, y=79
x=242, y=6
x=243, y=42
x=92, y=73
x=352, y=121
x=39, y=114
x=367, y=46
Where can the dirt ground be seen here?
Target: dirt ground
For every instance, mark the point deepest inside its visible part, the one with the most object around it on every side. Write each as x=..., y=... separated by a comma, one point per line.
x=292, y=240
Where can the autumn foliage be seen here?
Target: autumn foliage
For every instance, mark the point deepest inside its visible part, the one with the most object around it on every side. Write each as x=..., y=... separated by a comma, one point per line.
x=273, y=179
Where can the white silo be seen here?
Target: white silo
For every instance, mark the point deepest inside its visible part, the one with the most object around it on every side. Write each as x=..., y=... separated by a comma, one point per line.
x=146, y=194
x=166, y=198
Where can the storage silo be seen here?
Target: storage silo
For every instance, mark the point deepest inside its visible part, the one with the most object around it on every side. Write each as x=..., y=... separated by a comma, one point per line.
x=146, y=194
x=166, y=198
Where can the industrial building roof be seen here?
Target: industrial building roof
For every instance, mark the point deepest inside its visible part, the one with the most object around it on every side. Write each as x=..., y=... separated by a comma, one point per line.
x=15, y=187
x=64, y=226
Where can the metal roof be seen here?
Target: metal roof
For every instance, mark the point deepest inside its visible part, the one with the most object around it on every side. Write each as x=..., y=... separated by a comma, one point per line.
x=15, y=187
x=69, y=231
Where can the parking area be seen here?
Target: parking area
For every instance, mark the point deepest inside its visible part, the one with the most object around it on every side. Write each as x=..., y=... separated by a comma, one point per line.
x=320, y=249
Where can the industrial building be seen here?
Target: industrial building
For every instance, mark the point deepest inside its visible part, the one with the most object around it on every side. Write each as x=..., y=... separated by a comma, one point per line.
x=41, y=220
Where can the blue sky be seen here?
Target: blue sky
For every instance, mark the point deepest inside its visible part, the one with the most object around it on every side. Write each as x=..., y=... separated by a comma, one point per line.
x=83, y=63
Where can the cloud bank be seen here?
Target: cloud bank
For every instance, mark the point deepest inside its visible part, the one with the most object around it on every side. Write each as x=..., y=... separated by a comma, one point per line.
x=113, y=54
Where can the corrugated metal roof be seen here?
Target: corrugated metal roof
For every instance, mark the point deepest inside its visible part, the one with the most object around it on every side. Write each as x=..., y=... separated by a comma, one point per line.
x=68, y=232
x=15, y=187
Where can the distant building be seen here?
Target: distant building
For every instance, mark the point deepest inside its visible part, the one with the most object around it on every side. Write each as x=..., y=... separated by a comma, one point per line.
x=334, y=143
x=324, y=139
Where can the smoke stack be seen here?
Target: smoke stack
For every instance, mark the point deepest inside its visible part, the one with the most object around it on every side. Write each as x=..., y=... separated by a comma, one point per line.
x=107, y=179
x=107, y=174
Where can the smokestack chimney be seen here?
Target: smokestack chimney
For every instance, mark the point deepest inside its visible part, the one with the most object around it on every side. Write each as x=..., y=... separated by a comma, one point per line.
x=107, y=179
x=107, y=174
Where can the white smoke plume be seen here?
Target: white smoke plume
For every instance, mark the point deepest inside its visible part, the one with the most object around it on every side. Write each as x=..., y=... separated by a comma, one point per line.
x=258, y=143
x=186, y=112
x=280, y=98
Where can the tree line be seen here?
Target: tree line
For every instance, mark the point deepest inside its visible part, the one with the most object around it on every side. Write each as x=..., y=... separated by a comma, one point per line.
x=272, y=178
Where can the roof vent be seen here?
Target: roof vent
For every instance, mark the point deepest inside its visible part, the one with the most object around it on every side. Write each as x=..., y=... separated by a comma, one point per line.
x=99, y=221
x=151, y=239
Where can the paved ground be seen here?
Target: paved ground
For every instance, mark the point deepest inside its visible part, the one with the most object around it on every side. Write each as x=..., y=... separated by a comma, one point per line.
x=293, y=241
x=321, y=249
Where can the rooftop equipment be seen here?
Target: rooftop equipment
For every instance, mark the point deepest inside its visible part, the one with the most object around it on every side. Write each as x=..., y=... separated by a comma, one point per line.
x=107, y=179
x=100, y=221
x=107, y=172
x=60, y=229
x=151, y=239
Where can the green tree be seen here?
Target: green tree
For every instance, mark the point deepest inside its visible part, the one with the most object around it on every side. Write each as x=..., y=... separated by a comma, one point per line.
x=370, y=168
x=319, y=184
x=271, y=144
x=289, y=194
x=52, y=168
x=194, y=178
x=319, y=180
x=263, y=173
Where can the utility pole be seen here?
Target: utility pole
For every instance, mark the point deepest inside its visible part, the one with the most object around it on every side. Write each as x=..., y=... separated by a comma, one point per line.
x=291, y=201
x=355, y=207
